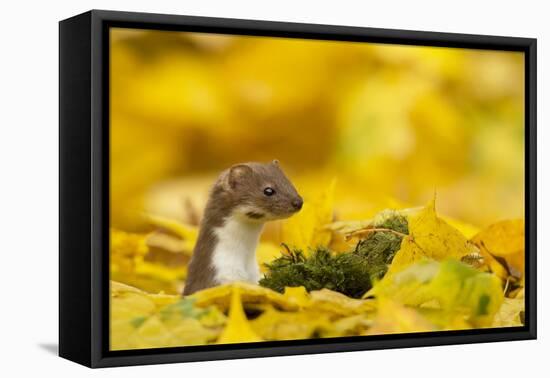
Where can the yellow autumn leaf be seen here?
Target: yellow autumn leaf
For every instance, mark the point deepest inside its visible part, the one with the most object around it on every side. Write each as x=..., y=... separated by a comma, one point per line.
x=221, y=296
x=451, y=286
x=504, y=239
x=134, y=261
x=307, y=228
x=466, y=229
x=493, y=264
x=279, y=325
x=143, y=320
x=170, y=243
x=160, y=272
x=297, y=295
x=519, y=292
x=444, y=320
x=430, y=237
x=510, y=313
x=337, y=304
x=238, y=329
x=348, y=326
x=127, y=304
x=150, y=334
x=125, y=249
x=322, y=312
x=153, y=332
x=328, y=302
x=393, y=317
x=184, y=231
x=118, y=289
x=189, y=331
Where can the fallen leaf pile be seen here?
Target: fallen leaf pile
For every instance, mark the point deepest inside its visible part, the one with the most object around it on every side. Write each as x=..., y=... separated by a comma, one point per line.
x=409, y=271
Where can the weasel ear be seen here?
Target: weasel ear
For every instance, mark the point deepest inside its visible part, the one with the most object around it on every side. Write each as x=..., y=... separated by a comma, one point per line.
x=275, y=162
x=236, y=174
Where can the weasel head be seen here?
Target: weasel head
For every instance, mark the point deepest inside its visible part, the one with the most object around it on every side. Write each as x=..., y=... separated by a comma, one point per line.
x=260, y=192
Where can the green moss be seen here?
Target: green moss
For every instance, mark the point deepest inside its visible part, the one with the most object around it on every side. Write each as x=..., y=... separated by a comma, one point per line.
x=391, y=219
x=346, y=273
x=380, y=247
x=350, y=273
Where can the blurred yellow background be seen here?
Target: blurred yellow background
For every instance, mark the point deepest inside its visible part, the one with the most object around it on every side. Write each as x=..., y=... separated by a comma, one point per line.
x=393, y=124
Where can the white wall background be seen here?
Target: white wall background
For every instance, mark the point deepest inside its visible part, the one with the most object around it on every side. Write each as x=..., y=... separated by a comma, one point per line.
x=29, y=188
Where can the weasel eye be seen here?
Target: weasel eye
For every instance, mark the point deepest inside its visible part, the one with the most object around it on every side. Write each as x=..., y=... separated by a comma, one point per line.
x=269, y=191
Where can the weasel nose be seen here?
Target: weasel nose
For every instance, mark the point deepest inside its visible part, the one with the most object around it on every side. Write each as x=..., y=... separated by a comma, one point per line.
x=297, y=203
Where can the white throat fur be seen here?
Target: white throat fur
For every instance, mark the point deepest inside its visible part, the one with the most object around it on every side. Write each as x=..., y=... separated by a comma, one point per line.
x=234, y=256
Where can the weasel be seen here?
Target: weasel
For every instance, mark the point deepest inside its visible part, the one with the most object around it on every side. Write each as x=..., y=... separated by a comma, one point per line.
x=242, y=199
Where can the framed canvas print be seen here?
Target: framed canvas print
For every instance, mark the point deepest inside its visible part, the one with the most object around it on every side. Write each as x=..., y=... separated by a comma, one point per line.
x=234, y=188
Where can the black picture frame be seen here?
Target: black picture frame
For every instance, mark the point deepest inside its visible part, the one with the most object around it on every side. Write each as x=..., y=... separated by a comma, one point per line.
x=84, y=187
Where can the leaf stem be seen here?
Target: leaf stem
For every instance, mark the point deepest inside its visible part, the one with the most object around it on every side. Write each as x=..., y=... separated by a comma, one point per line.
x=369, y=230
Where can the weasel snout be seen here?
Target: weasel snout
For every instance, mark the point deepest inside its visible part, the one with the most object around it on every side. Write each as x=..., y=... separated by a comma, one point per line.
x=298, y=203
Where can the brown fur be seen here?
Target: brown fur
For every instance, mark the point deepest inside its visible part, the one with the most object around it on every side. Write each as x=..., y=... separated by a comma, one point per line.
x=241, y=185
